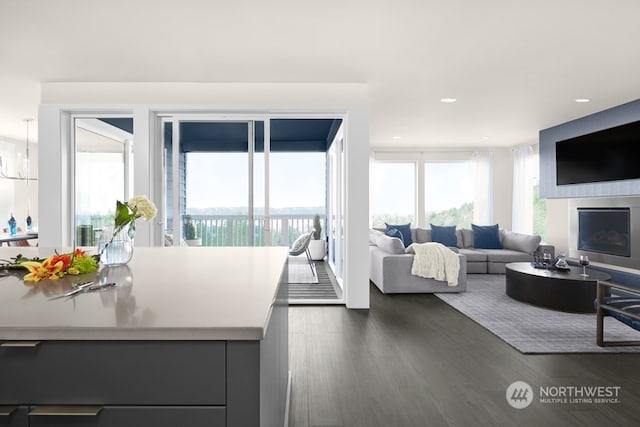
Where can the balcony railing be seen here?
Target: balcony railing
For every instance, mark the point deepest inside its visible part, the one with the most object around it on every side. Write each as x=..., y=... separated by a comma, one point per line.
x=232, y=230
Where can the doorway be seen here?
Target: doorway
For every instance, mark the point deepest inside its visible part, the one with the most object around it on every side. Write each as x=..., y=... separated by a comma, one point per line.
x=246, y=181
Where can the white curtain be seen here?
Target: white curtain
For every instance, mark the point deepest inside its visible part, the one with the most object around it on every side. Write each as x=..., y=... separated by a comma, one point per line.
x=483, y=201
x=524, y=173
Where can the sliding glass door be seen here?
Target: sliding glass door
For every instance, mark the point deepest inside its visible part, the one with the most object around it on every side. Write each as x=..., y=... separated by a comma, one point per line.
x=335, y=222
x=103, y=167
x=211, y=190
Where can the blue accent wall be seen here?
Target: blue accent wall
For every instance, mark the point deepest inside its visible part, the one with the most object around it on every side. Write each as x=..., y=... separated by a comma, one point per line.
x=615, y=116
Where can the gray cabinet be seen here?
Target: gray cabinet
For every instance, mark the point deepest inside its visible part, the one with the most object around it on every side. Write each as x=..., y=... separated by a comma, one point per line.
x=113, y=383
x=13, y=416
x=114, y=373
x=147, y=383
x=125, y=416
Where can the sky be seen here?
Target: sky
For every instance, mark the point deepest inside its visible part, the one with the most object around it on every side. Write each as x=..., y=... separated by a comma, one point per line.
x=221, y=180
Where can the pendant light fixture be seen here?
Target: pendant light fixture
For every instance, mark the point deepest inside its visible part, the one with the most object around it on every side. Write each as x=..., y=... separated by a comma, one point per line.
x=26, y=164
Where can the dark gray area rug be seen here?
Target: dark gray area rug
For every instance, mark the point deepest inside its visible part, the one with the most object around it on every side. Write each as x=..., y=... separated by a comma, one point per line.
x=531, y=329
x=320, y=288
x=300, y=271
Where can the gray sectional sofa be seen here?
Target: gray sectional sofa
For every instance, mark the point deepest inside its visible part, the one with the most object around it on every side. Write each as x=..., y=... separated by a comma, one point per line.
x=390, y=264
x=390, y=268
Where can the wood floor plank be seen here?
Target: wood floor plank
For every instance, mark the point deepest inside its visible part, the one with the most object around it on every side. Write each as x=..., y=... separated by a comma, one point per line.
x=411, y=360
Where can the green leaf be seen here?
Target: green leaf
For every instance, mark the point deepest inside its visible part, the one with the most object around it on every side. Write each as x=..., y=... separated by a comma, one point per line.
x=122, y=215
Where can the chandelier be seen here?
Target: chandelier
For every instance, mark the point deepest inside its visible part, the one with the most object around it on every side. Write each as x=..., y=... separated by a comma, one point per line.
x=25, y=173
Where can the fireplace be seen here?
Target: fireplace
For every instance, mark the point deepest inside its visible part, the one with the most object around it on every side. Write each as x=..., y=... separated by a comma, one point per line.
x=604, y=230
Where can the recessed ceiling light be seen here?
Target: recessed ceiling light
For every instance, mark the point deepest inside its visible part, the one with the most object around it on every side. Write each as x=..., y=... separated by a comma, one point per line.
x=448, y=100
x=582, y=100
x=484, y=137
x=396, y=137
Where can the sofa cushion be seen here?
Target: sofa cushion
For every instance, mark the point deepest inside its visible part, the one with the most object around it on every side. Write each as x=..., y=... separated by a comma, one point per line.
x=373, y=236
x=473, y=255
x=423, y=235
x=505, y=255
x=521, y=242
x=392, y=245
x=467, y=238
x=405, y=229
x=394, y=232
x=459, y=238
x=444, y=234
x=486, y=236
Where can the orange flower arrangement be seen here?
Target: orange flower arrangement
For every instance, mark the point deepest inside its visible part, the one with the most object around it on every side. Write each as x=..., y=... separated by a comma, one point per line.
x=57, y=266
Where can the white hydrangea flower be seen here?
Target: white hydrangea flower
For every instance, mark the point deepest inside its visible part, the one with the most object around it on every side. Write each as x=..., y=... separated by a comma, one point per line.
x=143, y=206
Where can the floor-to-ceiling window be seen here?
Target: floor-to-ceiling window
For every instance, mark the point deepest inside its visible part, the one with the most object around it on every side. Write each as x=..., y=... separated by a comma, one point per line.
x=394, y=195
x=423, y=188
x=297, y=193
x=245, y=182
x=449, y=193
x=103, y=165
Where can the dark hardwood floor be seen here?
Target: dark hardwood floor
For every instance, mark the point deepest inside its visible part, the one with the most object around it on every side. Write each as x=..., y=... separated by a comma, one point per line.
x=411, y=360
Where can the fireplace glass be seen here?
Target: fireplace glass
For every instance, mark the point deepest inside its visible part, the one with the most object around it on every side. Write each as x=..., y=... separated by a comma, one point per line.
x=604, y=230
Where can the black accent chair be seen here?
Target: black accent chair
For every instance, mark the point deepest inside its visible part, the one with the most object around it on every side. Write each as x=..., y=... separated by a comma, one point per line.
x=624, y=306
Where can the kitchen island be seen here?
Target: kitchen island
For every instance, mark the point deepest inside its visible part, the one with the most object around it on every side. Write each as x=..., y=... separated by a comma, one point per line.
x=188, y=336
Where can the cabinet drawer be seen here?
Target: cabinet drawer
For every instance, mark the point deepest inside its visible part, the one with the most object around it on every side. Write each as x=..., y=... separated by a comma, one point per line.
x=136, y=416
x=114, y=373
x=13, y=416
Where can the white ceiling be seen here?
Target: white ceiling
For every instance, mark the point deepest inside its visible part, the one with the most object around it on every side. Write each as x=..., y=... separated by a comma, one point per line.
x=515, y=67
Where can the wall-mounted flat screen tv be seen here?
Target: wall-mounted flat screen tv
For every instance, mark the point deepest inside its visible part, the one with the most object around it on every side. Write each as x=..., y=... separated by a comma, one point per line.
x=607, y=155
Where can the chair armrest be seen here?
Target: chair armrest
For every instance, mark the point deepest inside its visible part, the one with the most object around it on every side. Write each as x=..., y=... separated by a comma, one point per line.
x=601, y=292
x=626, y=288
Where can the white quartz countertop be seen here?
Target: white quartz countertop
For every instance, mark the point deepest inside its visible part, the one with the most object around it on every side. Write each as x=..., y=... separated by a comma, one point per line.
x=182, y=293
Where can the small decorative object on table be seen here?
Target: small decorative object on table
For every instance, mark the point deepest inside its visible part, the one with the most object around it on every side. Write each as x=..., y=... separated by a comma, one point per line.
x=29, y=223
x=543, y=260
x=116, y=243
x=561, y=262
x=13, y=230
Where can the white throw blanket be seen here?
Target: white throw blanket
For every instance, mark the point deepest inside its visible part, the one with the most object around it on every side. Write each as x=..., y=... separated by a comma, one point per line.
x=435, y=261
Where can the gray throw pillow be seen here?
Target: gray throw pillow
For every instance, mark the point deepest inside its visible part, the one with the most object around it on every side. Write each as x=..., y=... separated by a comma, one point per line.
x=422, y=235
x=459, y=238
x=393, y=245
x=467, y=238
x=521, y=242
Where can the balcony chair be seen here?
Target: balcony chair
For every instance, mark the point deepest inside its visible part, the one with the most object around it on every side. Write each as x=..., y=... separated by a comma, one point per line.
x=302, y=245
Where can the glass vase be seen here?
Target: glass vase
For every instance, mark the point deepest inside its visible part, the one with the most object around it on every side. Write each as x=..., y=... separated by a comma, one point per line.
x=115, y=249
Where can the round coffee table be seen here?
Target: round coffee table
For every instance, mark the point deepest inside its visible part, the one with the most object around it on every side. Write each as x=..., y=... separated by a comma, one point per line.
x=557, y=290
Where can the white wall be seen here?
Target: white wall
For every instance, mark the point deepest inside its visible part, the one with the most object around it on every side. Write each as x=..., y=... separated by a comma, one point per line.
x=557, y=224
x=144, y=100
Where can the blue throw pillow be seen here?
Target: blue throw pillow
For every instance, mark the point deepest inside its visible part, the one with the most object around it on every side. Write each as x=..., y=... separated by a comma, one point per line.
x=444, y=234
x=394, y=232
x=486, y=236
x=405, y=229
